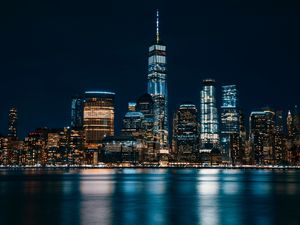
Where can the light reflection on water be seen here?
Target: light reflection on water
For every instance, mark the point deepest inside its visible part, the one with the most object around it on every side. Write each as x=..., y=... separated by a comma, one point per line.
x=149, y=196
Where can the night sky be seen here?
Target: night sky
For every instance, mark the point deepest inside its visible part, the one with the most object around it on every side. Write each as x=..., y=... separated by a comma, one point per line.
x=49, y=52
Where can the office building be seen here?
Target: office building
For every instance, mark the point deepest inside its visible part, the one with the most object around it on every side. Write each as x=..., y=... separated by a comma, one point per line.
x=209, y=132
x=12, y=123
x=230, y=119
x=77, y=112
x=157, y=88
x=98, y=117
x=185, y=132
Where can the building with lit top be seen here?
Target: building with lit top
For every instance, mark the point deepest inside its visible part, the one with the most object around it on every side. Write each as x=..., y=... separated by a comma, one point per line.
x=98, y=116
x=133, y=123
x=262, y=129
x=145, y=105
x=229, y=118
x=209, y=132
x=185, y=132
x=12, y=123
x=77, y=112
x=157, y=88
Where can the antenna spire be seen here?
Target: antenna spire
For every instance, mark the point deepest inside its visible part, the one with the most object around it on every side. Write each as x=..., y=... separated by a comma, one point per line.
x=157, y=26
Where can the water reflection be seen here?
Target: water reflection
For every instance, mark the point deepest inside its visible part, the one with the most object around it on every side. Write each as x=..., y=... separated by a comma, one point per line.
x=149, y=196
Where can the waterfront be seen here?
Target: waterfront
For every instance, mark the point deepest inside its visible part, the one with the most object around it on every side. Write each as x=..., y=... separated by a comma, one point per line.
x=149, y=196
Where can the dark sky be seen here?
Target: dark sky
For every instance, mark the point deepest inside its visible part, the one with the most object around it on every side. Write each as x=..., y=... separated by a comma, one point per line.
x=50, y=52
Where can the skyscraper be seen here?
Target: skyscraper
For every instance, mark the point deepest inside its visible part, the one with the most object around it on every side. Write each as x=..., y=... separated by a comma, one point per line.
x=145, y=105
x=262, y=129
x=185, y=132
x=98, y=116
x=133, y=122
x=209, y=133
x=229, y=116
x=289, y=124
x=279, y=139
x=77, y=112
x=12, y=123
x=157, y=88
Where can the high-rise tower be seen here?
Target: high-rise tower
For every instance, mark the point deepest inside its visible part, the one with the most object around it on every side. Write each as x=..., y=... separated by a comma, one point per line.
x=157, y=88
x=289, y=123
x=77, y=112
x=12, y=123
x=209, y=114
x=98, y=116
x=229, y=116
x=262, y=128
x=185, y=131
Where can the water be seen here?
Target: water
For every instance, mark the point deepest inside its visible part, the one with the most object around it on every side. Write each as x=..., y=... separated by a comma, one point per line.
x=149, y=196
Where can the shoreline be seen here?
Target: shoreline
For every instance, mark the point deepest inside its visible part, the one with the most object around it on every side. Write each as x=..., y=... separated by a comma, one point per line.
x=149, y=167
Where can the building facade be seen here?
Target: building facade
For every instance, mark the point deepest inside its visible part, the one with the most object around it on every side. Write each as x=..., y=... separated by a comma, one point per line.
x=98, y=116
x=185, y=132
x=230, y=127
x=77, y=112
x=209, y=133
x=262, y=129
x=157, y=88
x=12, y=123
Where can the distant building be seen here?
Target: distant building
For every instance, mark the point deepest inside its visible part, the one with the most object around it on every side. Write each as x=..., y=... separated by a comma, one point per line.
x=58, y=148
x=133, y=123
x=157, y=88
x=289, y=123
x=35, y=147
x=262, y=129
x=296, y=123
x=12, y=123
x=4, y=153
x=209, y=133
x=123, y=149
x=132, y=106
x=77, y=112
x=98, y=116
x=279, y=139
x=145, y=105
x=230, y=120
x=185, y=132
x=76, y=145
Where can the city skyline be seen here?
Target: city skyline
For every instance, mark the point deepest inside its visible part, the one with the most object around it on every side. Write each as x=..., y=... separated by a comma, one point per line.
x=42, y=91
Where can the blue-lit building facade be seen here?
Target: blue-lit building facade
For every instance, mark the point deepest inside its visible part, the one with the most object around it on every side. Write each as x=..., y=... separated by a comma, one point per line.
x=230, y=119
x=133, y=122
x=157, y=88
x=77, y=112
x=209, y=124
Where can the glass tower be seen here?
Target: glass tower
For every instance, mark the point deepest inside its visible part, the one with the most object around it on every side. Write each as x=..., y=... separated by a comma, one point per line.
x=157, y=88
x=262, y=128
x=12, y=123
x=229, y=116
x=185, y=129
x=77, y=112
x=98, y=116
x=209, y=133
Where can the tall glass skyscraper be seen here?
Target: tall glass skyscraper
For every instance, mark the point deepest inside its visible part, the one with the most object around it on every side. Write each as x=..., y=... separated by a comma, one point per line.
x=262, y=129
x=185, y=131
x=157, y=88
x=77, y=112
x=209, y=131
x=229, y=116
x=12, y=123
x=98, y=116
